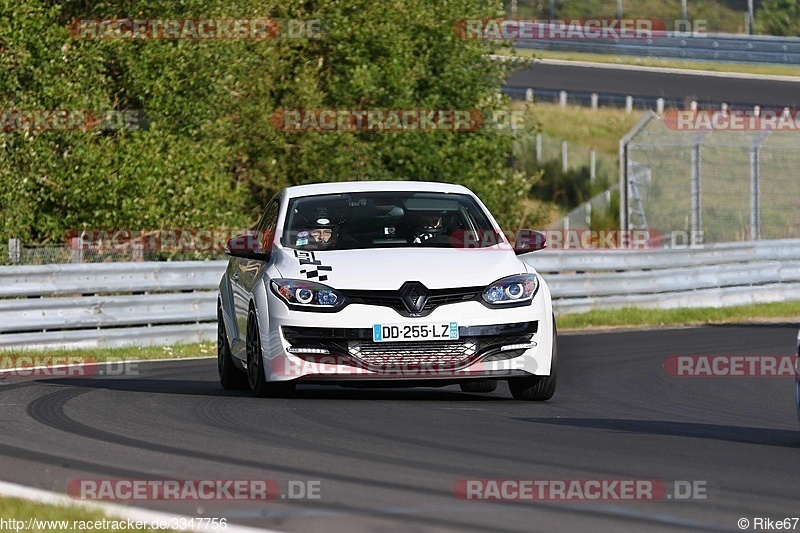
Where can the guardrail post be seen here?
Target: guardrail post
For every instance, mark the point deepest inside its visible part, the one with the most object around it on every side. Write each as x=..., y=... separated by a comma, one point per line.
x=693, y=105
x=629, y=104
x=562, y=98
x=529, y=95
x=592, y=165
x=595, y=98
x=660, y=106
x=564, y=161
x=14, y=251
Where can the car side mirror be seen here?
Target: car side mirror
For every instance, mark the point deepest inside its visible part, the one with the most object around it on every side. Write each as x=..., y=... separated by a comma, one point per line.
x=246, y=246
x=529, y=240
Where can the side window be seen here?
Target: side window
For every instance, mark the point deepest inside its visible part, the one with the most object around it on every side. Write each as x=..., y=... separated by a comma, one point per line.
x=267, y=225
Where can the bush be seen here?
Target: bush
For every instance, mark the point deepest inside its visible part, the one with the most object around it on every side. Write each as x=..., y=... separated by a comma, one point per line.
x=211, y=157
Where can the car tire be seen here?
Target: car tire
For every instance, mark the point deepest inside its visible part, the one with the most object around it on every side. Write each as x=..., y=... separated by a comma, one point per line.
x=537, y=388
x=230, y=377
x=255, y=365
x=479, y=385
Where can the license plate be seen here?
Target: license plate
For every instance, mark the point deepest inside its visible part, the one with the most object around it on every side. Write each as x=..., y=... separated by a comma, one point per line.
x=418, y=332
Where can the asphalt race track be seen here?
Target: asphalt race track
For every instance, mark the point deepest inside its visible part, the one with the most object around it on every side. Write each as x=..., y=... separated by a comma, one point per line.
x=388, y=459
x=657, y=85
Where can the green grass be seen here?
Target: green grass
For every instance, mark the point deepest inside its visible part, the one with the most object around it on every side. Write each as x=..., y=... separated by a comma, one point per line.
x=774, y=70
x=600, y=128
x=132, y=353
x=782, y=311
x=18, y=509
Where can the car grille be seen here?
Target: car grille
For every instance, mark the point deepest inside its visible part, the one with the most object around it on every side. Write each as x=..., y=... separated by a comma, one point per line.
x=436, y=297
x=476, y=342
x=388, y=356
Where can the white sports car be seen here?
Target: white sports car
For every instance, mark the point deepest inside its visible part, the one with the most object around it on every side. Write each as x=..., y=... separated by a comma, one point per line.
x=384, y=284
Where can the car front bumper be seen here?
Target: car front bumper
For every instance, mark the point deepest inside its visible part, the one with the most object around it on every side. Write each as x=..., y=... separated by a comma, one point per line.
x=338, y=347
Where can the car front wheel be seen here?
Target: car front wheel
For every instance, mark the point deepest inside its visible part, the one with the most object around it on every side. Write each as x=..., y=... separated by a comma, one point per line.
x=255, y=367
x=230, y=377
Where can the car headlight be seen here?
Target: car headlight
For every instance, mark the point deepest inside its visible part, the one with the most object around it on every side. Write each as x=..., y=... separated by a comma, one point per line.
x=306, y=294
x=517, y=289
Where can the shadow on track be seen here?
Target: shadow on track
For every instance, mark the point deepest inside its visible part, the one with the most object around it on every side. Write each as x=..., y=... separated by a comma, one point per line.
x=764, y=436
x=303, y=392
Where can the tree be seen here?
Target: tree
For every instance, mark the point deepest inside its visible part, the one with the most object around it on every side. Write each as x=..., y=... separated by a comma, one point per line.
x=211, y=157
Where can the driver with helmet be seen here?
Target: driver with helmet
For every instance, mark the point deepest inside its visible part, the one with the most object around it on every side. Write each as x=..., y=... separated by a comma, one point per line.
x=321, y=234
x=428, y=225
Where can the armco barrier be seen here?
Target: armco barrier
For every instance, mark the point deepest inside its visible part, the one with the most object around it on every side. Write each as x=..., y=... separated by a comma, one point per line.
x=705, y=46
x=711, y=276
x=158, y=303
x=108, y=304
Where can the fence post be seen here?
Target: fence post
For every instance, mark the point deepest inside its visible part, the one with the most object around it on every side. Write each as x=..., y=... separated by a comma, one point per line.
x=595, y=98
x=589, y=215
x=137, y=251
x=755, y=201
x=564, y=161
x=624, y=173
x=696, y=216
x=592, y=166
x=660, y=106
x=76, y=249
x=562, y=98
x=529, y=95
x=538, y=147
x=14, y=251
x=629, y=104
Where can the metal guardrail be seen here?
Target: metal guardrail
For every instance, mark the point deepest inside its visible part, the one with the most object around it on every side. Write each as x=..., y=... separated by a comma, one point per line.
x=708, y=46
x=712, y=276
x=119, y=304
x=108, y=304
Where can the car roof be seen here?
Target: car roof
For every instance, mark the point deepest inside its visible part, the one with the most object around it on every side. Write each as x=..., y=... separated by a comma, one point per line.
x=374, y=186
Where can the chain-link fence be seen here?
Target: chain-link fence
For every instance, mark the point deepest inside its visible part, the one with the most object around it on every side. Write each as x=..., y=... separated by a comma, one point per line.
x=594, y=214
x=710, y=186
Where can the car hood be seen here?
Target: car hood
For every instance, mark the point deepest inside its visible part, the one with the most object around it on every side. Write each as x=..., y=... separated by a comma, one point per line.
x=388, y=269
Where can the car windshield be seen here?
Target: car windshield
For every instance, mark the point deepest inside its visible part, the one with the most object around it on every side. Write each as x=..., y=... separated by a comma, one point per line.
x=386, y=220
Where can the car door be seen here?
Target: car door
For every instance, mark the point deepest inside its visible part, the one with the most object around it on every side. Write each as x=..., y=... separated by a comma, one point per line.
x=246, y=271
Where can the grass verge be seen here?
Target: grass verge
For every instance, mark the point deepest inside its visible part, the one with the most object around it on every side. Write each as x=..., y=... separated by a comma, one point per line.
x=599, y=128
x=40, y=517
x=628, y=317
x=634, y=317
x=709, y=66
x=131, y=353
